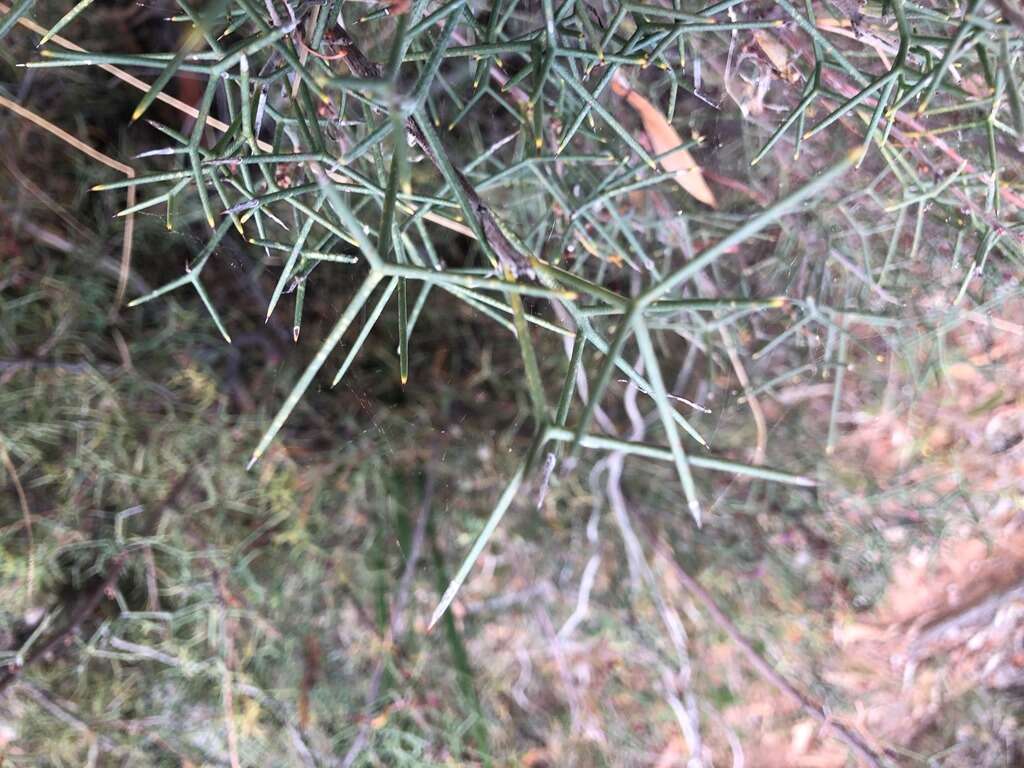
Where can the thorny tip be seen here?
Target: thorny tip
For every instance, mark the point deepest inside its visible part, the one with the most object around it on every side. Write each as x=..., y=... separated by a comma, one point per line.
x=695, y=511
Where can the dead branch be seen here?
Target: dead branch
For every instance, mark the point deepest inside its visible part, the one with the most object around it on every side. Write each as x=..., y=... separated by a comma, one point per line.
x=867, y=755
x=58, y=641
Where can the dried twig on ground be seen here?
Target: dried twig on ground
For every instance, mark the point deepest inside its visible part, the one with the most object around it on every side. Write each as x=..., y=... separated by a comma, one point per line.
x=864, y=752
x=56, y=642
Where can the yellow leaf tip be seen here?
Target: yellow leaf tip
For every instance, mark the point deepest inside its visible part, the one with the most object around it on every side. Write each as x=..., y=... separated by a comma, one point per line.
x=856, y=155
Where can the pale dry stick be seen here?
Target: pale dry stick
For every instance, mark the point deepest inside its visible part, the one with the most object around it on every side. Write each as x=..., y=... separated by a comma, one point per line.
x=582, y=608
x=867, y=755
x=152, y=586
x=85, y=149
x=568, y=679
x=669, y=616
x=882, y=46
x=125, y=77
x=686, y=716
x=735, y=745
x=638, y=562
x=761, y=446
x=211, y=122
x=26, y=514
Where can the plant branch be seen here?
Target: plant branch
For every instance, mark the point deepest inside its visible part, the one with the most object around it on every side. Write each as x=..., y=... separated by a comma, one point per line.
x=484, y=220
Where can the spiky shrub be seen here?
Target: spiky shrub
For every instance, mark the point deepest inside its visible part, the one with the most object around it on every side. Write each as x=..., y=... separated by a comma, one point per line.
x=521, y=157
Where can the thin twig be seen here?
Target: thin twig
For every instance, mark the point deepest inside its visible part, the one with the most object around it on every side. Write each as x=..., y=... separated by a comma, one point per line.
x=81, y=146
x=26, y=514
x=57, y=641
x=767, y=672
x=761, y=446
x=210, y=121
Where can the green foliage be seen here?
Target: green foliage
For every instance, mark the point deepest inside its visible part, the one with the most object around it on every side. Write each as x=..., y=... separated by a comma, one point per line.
x=467, y=175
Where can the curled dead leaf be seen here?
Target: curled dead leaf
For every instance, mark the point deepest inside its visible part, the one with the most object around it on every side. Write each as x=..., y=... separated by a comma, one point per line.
x=663, y=138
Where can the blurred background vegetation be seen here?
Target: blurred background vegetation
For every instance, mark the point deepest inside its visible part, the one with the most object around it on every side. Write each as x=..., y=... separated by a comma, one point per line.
x=162, y=605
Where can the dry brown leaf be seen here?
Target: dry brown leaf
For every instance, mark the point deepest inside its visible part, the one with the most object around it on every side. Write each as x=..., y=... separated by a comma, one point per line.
x=663, y=138
x=776, y=53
